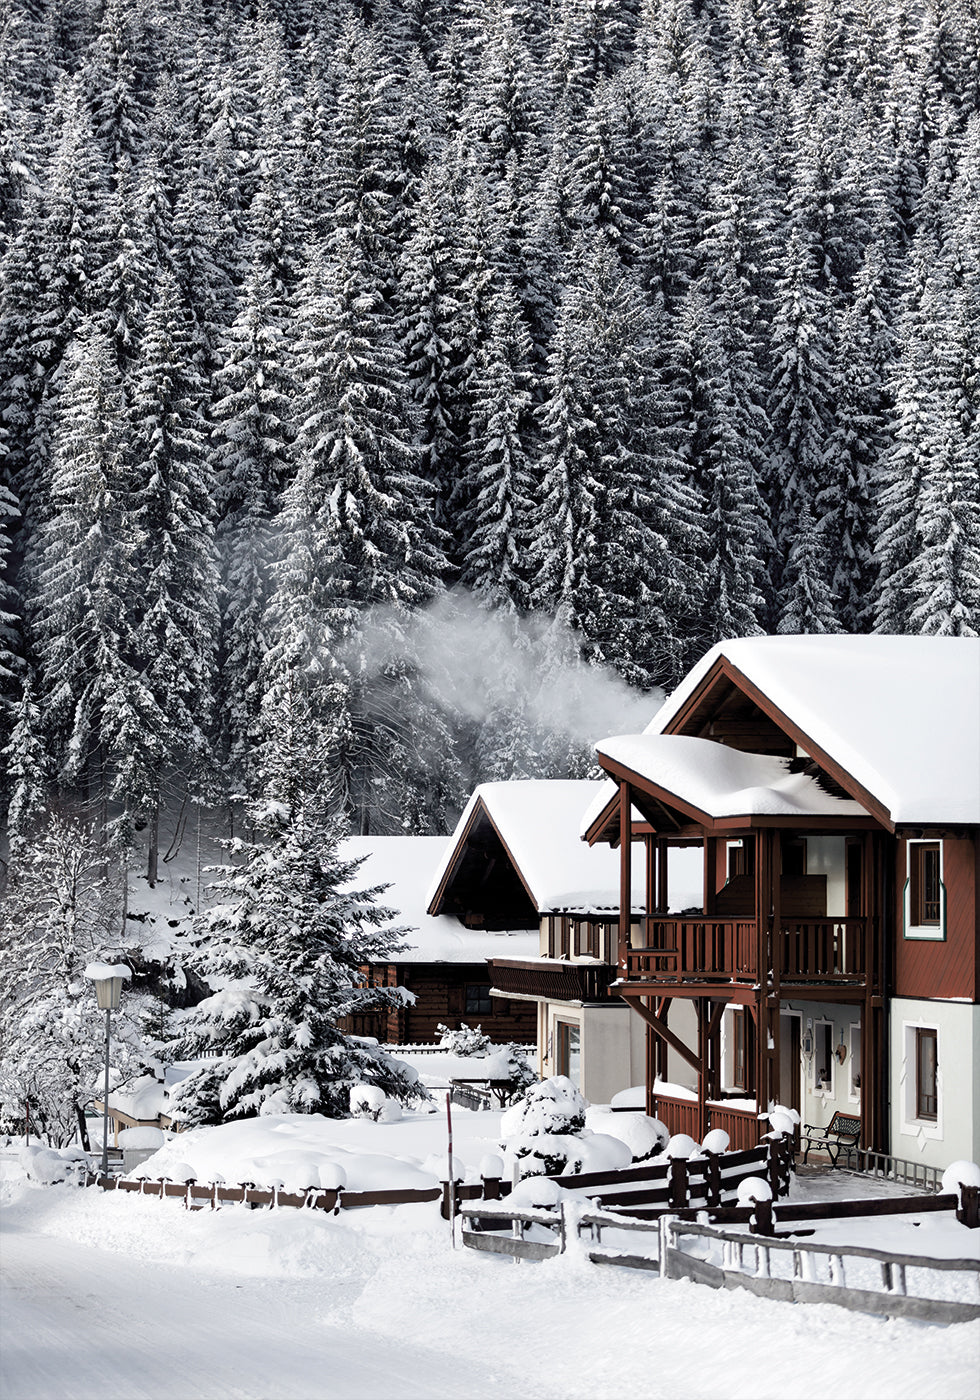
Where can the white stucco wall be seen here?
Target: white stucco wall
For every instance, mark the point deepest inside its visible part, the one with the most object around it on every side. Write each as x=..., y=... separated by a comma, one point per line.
x=613, y=1047
x=956, y=1132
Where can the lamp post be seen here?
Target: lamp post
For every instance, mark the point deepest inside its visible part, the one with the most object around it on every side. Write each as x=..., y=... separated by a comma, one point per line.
x=108, y=979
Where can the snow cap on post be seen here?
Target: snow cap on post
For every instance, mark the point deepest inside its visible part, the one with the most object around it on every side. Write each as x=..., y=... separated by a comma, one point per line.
x=108, y=979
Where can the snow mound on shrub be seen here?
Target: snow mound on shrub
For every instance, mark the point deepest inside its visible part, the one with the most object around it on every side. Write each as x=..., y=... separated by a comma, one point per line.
x=534, y=1193
x=644, y=1136
x=554, y=1106
x=52, y=1166
x=368, y=1101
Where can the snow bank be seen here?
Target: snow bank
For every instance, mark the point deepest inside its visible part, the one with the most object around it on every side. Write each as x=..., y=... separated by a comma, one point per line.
x=52, y=1166
x=301, y=1150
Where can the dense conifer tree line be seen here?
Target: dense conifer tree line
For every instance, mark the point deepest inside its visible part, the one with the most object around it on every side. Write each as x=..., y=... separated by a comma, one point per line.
x=658, y=320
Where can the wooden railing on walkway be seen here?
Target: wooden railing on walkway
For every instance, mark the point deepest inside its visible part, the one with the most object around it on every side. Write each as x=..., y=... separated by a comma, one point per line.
x=781, y=1268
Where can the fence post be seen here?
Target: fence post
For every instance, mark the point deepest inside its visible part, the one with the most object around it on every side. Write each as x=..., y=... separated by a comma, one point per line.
x=449, y=1200
x=678, y=1183
x=968, y=1210
x=712, y=1178
x=762, y=1221
x=491, y=1188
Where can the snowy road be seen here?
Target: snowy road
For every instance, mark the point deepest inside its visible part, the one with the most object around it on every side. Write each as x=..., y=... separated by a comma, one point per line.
x=77, y=1324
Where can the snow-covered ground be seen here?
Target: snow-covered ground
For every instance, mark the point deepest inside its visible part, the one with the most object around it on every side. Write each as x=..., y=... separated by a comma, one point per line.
x=115, y=1296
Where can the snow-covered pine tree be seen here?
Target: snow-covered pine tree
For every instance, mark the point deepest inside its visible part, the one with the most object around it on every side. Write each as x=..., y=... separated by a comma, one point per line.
x=286, y=938
x=618, y=535
x=53, y=921
x=252, y=461
x=497, y=522
x=82, y=574
x=26, y=781
x=170, y=519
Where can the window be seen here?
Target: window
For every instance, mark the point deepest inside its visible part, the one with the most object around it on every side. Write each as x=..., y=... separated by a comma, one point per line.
x=823, y=1057
x=741, y=1049
x=570, y=1051
x=924, y=892
x=854, y=1060
x=926, y=1075
x=924, y=877
x=478, y=1001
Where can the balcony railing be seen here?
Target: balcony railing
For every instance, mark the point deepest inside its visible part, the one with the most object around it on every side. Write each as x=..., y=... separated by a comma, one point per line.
x=688, y=948
x=551, y=979
x=726, y=950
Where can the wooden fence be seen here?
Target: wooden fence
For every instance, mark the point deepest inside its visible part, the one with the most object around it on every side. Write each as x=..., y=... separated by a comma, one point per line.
x=781, y=1268
x=655, y=1185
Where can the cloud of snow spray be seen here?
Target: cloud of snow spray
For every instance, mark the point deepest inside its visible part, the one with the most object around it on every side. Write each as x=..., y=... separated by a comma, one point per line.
x=484, y=664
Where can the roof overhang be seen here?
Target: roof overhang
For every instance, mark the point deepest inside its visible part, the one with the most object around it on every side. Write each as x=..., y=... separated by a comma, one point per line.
x=686, y=721
x=774, y=796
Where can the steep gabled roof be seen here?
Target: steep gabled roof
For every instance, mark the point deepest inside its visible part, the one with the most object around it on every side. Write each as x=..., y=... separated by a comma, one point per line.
x=894, y=720
x=405, y=864
x=534, y=824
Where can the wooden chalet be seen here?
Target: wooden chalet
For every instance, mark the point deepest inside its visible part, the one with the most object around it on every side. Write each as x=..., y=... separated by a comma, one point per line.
x=833, y=784
x=443, y=963
x=516, y=860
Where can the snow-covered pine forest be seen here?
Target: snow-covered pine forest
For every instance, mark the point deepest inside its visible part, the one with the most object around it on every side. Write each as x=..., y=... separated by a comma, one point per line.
x=332, y=331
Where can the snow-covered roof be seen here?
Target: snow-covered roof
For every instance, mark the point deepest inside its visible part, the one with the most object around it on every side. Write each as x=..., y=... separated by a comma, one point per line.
x=406, y=863
x=900, y=714
x=723, y=782
x=538, y=822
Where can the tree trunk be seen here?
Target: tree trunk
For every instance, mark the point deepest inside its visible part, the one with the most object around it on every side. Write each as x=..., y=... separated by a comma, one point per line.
x=82, y=1127
x=153, y=841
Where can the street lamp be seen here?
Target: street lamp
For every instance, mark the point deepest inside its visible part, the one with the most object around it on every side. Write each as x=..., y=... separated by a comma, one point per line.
x=108, y=979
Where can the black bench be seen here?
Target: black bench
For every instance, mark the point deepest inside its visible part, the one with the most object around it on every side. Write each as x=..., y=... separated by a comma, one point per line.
x=840, y=1138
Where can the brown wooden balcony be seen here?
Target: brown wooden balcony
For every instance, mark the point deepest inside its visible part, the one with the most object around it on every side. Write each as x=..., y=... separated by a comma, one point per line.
x=807, y=952
x=551, y=979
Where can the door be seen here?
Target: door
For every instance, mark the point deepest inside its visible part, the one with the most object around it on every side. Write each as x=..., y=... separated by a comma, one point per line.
x=790, y=1063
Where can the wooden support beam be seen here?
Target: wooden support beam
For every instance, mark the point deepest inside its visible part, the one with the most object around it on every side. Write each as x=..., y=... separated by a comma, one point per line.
x=662, y=1030
x=625, y=875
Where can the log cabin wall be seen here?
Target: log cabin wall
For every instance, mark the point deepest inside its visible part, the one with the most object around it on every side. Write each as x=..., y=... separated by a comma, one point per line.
x=442, y=993
x=941, y=967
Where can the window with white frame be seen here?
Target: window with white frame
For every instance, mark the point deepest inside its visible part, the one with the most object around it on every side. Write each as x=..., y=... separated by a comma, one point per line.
x=922, y=1098
x=925, y=894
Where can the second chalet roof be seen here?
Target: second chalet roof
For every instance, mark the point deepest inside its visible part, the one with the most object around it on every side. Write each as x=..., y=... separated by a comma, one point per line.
x=722, y=782
x=899, y=715
x=537, y=821
x=405, y=864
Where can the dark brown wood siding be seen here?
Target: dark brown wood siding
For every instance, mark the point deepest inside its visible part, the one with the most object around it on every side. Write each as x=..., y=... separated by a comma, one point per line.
x=440, y=999
x=924, y=968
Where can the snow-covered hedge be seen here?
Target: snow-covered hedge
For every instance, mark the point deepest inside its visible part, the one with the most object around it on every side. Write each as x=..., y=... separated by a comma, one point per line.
x=52, y=1166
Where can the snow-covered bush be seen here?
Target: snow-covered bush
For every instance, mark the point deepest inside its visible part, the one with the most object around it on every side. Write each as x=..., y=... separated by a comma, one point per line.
x=550, y=1106
x=368, y=1101
x=540, y=1130
x=547, y=1154
x=465, y=1041
x=644, y=1136
x=51, y=1166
